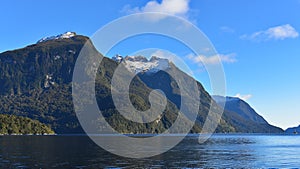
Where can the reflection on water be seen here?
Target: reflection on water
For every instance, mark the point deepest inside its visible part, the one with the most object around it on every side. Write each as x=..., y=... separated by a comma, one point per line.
x=239, y=151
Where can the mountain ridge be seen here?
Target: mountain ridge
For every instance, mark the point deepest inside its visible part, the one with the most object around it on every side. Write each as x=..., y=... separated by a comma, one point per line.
x=293, y=130
x=138, y=64
x=244, y=113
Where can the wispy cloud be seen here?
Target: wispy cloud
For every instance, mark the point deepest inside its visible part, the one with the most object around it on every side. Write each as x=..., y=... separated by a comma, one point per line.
x=172, y=7
x=243, y=97
x=227, y=29
x=275, y=33
x=215, y=59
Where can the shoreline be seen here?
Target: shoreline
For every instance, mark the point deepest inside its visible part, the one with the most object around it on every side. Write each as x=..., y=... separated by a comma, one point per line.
x=161, y=135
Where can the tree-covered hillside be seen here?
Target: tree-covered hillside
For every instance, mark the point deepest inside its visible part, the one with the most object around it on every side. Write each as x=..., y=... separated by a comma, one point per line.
x=11, y=124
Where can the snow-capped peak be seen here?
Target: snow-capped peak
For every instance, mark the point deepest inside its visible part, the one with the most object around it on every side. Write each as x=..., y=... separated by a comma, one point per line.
x=137, y=64
x=117, y=58
x=65, y=35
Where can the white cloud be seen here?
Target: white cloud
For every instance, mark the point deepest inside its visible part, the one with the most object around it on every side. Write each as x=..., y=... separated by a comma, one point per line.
x=277, y=33
x=171, y=7
x=215, y=59
x=243, y=97
x=163, y=54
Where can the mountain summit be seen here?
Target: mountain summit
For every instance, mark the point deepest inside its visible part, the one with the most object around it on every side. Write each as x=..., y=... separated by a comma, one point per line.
x=65, y=35
x=138, y=64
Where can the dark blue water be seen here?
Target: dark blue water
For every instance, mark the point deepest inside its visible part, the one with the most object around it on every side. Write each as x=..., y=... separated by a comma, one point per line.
x=220, y=151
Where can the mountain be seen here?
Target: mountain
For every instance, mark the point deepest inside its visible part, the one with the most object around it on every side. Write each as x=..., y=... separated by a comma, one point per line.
x=157, y=73
x=238, y=115
x=36, y=82
x=243, y=117
x=294, y=130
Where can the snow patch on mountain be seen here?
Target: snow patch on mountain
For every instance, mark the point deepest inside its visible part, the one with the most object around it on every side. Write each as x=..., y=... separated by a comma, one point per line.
x=65, y=35
x=48, y=81
x=137, y=64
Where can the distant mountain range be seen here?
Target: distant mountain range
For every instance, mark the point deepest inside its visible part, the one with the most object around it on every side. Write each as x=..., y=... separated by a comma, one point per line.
x=36, y=82
x=239, y=112
x=293, y=130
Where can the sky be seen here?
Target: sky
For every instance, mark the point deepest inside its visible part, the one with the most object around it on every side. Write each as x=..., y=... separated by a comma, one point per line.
x=257, y=41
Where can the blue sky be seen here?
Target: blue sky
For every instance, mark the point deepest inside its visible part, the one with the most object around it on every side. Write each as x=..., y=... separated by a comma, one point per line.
x=257, y=40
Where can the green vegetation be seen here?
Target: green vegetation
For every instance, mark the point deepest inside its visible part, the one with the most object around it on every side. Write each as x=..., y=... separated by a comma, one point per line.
x=11, y=124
